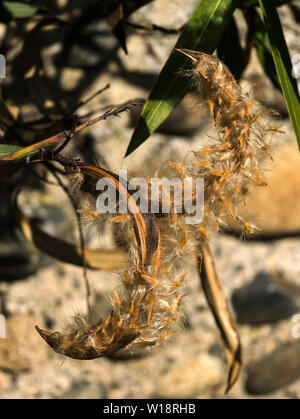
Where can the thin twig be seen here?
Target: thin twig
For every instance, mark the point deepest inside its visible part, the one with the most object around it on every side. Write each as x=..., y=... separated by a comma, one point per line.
x=84, y=102
x=17, y=158
x=153, y=27
x=69, y=134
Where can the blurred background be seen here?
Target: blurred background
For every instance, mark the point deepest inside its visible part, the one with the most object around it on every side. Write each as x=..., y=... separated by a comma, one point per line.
x=59, y=55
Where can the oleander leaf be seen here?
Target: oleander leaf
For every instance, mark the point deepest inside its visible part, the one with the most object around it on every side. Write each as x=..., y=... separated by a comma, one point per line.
x=282, y=62
x=203, y=32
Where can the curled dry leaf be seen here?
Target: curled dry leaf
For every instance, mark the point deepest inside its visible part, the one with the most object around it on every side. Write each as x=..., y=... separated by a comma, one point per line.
x=67, y=252
x=146, y=309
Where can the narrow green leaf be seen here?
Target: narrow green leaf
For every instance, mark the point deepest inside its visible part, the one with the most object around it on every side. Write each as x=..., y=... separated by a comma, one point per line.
x=7, y=149
x=282, y=63
x=19, y=9
x=203, y=32
x=229, y=42
x=263, y=50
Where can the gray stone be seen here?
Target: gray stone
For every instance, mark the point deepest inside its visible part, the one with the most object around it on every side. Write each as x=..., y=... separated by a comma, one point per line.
x=84, y=390
x=275, y=370
x=198, y=375
x=261, y=301
x=93, y=46
x=21, y=350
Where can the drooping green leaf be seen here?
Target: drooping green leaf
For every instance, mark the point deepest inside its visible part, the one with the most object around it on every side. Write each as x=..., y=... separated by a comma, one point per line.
x=20, y=9
x=230, y=42
x=282, y=63
x=7, y=149
x=203, y=32
x=263, y=50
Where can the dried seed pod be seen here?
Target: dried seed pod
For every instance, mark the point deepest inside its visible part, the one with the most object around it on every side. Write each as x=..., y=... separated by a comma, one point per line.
x=146, y=309
x=235, y=161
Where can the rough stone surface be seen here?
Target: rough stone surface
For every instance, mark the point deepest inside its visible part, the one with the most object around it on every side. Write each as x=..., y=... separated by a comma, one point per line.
x=261, y=301
x=279, y=201
x=21, y=350
x=275, y=370
x=191, y=377
x=192, y=362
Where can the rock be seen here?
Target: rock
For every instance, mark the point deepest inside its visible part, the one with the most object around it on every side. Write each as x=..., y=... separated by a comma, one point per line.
x=17, y=259
x=84, y=390
x=57, y=292
x=185, y=120
x=274, y=371
x=261, y=301
x=22, y=349
x=91, y=44
x=264, y=91
x=4, y=379
x=275, y=208
x=194, y=376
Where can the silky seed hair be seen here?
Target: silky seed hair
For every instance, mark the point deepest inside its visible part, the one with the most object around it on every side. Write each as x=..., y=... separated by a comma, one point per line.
x=147, y=305
x=235, y=161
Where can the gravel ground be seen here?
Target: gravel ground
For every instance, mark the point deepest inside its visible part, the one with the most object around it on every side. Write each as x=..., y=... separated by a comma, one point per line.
x=259, y=277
